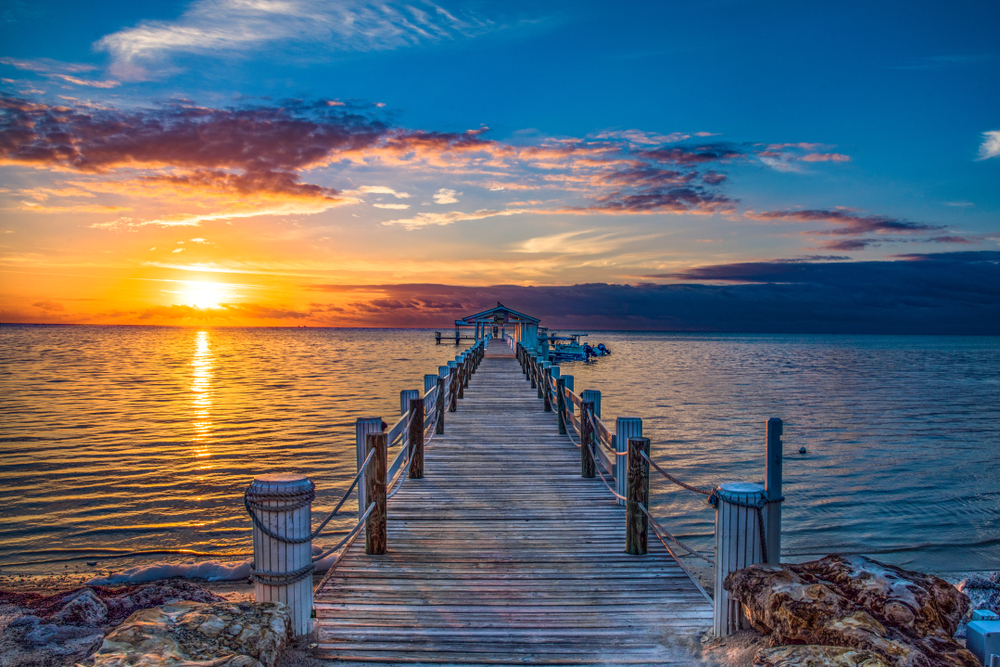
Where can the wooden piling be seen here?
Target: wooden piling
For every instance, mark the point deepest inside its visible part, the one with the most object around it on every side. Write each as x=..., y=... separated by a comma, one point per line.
x=737, y=545
x=772, y=489
x=625, y=428
x=561, y=404
x=546, y=386
x=405, y=397
x=461, y=371
x=362, y=427
x=282, y=571
x=375, y=525
x=452, y=388
x=636, y=522
x=416, y=438
x=439, y=426
x=594, y=396
x=588, y=467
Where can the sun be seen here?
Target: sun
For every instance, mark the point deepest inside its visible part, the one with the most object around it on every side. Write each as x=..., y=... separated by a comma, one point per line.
x=205, y=294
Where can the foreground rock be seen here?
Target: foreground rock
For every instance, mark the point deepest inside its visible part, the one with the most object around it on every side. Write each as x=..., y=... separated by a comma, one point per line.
x=67, y=627
x=887, y=614
x=192, y=633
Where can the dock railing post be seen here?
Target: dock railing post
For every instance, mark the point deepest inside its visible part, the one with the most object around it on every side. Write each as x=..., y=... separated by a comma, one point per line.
x=561, y=404
x=547, y=385
x=625, y=428
x=452, y=389
x=416, y=438
x=636, y=522
x=531, y=371
x=738, y=535
x=441, y=384
x=430, y=381
x=539, y=374
x=362, y=427
x=463, y=370
x=405, y=397
x=282, y=570
x=772, y=489
x=375, y=525
x=588, y=467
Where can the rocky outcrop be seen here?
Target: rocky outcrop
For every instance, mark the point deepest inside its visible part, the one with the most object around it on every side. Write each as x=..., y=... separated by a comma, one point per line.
x=818, y=656
x=905, y=618
x=193, y=633
x=65, y=628
x=983, y=593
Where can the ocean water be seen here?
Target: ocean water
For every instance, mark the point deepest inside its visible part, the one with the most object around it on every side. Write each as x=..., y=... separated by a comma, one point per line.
x=126, y=445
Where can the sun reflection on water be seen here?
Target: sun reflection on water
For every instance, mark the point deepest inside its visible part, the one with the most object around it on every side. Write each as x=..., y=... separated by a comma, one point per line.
x=201, y=388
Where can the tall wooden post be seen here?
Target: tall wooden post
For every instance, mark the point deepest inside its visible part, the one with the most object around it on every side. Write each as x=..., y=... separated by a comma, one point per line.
x=439, y=427
x=538, y=374
x=772, y=489
x=547, y=386
x=737, y=545
x=570, y=385
x=282, y=571
x=636, y=522
x=625, y=428
x=452, y=388
x=532, y=370
x=362, y=427
x=561, y=404
x=416, y=438
x=375, y=525
x=462, y=372
x=587, y=466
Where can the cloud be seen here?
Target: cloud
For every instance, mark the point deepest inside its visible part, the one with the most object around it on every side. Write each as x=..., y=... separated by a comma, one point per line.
x=694, y=154
x=991, y=145
x=50, y=306
x=432, y=219
x=446, y=196
x=394, y=207
x=231, y=27
x=226, y=311
x=848, y=221
x=59, y=71
x=382, y=190
x=938, y=293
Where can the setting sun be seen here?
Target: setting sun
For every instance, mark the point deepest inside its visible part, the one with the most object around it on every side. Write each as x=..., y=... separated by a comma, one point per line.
x=205, y=294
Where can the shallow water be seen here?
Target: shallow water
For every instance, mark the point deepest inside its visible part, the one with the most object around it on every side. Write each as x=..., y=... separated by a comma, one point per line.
x=142, y=439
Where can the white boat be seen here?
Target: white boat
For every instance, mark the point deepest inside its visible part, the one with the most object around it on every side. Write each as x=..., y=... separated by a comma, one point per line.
x=569, y=348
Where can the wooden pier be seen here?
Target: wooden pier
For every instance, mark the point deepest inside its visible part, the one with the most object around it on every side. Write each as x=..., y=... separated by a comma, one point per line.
x=502, y=553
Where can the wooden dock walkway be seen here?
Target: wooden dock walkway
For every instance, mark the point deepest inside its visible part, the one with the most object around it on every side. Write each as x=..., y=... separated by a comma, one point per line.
x=504, y=554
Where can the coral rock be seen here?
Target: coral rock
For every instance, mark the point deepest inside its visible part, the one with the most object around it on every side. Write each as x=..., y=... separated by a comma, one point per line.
x=85, y=608
x=194, y=633
x=906, y=618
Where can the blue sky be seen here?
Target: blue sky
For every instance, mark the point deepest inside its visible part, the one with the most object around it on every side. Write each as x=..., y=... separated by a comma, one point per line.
x=605, y=144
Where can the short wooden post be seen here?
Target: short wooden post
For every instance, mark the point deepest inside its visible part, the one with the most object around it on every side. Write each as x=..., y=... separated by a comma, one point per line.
x=561, y=404
x=416, y=438
x=375, y=525
x=772, y=490
x=547, y=386
x=625, y=428
x=636, y=522
x=594, y=396
x=452, y=388
x=737, y=545
x=282, y=571
x=439, y=427
x=362, y=427
x=588, y=468
x=405, y=397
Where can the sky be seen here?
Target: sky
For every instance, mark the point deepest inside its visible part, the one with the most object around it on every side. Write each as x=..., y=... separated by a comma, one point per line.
x=723, y=165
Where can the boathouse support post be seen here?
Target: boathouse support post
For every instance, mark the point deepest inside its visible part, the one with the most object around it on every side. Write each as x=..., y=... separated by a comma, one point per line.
x=362, y=427
x=594, y=396
x=416, y=438
x=282, y=570
x=547, y=386
x=636, y=522
x=772, y=490
x=405, y=397
x=561, y=404
x=737, y=545
x=452, y=389
x=441, y=384
x=625, y=428
x=587, y=466
x=375, y=524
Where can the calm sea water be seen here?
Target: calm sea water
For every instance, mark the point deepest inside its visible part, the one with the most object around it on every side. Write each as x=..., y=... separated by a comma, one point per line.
x=123, y=444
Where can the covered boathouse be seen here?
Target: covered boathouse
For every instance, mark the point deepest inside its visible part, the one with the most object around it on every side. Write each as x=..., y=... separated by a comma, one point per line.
x=498, y=322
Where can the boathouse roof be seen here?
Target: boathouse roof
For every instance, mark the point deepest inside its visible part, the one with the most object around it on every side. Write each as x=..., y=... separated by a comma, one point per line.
x=493, y=314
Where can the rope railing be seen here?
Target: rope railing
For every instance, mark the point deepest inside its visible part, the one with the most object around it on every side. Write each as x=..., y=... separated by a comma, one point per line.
x=657, y=527
x=349, y=537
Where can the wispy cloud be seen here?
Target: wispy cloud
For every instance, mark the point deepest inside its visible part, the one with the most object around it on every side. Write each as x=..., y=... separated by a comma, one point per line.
x=232, y=27
x=991, y=145
x=848, y=221
x=446, y=196
x=59, y=71
x=450, y=218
